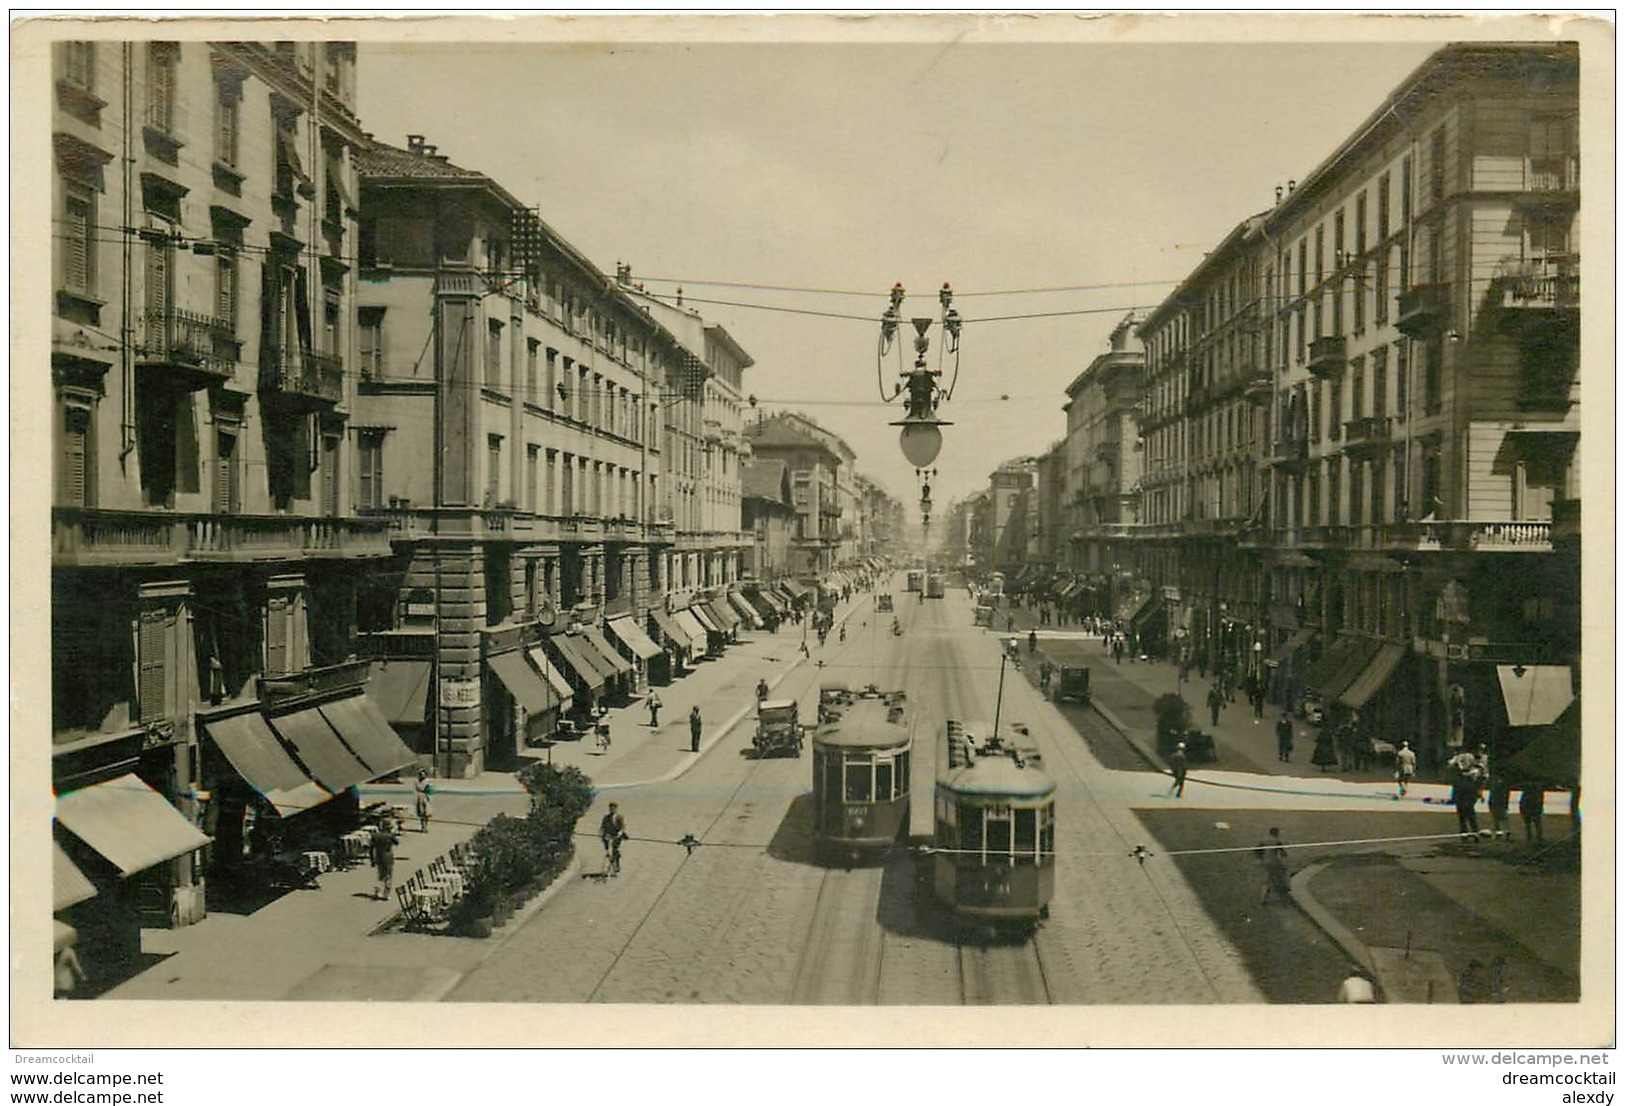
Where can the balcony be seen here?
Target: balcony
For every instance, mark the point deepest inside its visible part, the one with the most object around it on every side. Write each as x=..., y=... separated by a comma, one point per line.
x=82, y=537
x=1469, y=536
x=196, y=350
x=327, y=680
x=304, y=378
x=1259, y=387
x=1289, y=451
x=1551, y=182
x=1366, y=432
x=621, y=529
x=1422, y=309
x=1328, y=355
x=1539, y=286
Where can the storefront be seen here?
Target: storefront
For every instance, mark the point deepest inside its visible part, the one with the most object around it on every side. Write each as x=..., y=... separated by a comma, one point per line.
x=586, y=680
x=678, y=646
x=636, y=644
x=706, y=640
x=745, y=610
x=400, y=690
x=527, y=691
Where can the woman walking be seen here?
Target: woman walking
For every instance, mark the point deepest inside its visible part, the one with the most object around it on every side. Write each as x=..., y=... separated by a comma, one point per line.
x=423, y=792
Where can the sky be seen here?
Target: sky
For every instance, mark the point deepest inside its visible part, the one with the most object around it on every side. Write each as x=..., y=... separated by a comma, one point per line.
x=839, y=168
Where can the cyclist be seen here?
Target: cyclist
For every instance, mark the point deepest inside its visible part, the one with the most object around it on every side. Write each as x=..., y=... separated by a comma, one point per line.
x=612, y=830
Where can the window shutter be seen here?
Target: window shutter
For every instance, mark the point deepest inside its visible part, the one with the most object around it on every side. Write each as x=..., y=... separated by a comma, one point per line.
x=276, y=635
x=74, y=484
x=225, y=473
x=158, y=287
x=330, y=477
x=150, y=688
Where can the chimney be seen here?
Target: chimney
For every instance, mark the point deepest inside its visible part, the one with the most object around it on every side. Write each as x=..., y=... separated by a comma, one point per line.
x=1291, y=187
x=414, y=143
x=1278, y=191
x=623, y=274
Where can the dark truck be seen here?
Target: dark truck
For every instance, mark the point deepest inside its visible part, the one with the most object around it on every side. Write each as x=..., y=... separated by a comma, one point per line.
x=1069, y=661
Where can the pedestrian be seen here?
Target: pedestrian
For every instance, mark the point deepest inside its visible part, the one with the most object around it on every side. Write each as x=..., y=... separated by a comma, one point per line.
x=1009, y=623
x=1045, y=669
x=422, y=798
x=1032, y=641
x=1404, y=766
x=1532, y=806
x=1499, y=797
x=1283, y=738
x=1117, y=649
x=1325, y=754
x=694, y=728
x=1258, y=704
x=1464, y=794
x=1215, y=703
x=383, y=857
x=1272, y=852
x=1176, y=763
x=804, y=652
x=761, y=692
x=612, y=831
x=1357, y=987
x=654, y=705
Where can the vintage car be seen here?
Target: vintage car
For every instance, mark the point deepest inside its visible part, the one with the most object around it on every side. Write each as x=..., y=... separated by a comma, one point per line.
x=778, y=728
x=984, y=616
x=834, y=697
x=883, y=602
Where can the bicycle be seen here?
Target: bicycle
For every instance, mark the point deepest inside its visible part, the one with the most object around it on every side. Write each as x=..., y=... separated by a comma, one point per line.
x=612, y=854
x=602, y=739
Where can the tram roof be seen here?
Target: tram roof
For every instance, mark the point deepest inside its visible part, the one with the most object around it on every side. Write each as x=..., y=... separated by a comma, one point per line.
x=998, y=775
x=863, y=725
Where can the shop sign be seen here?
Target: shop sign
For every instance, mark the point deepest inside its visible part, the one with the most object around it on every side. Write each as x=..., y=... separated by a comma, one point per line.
x=460, y=692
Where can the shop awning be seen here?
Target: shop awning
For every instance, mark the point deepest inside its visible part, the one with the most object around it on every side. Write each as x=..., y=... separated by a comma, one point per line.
x=1288, y=647
x=1535, y=694
x=69, y=886
x=1334, y=658
x=128, y=823
x=364, y=730
x=691, y=626
x=746, y=611
x=674, y=632
x=320, y=750
x=523, y=682
x=1150, y=607
x=265, y=765
x=400, y=689
x=633, y=638
x=721, y=614
x=555, y=679
x=1553, y=756
x=764, y=598
x=584, y=669
x=612, y=656
x=1131, y=605
x=1354, y=660
x=1377, y=672
x=796, y=588
x=701, y=614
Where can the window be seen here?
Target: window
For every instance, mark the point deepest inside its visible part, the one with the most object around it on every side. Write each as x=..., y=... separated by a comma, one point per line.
x=78, y=238
x=330, y=475
x=567, y=489
x=1303, y=266
x=532, y=346
x=532, y=467
x=1314, y=411
x=1384, y=206
x=1334, y=406
x=1436, y=165
x=75, y=478
x=371, y=322
x=552, y=382
x=1432, y=371
x=1359, y=297
x=161, y=77
x=859, y=782
x=1357, y=390
x=227, y=473
x=225, y=285
x=493, y=469
x=332, y=321
x=333, y=188
x=152, y=643
x=1379, y=384
x=1402, y=384
x=1334, y=491
x=552, y=481
x=1359, y=224
x=1380, y=292
x=1406, y=194
x=79, y=65
x=1379, y=484
x=493, y=354
x=1552, y=165
x=1320, y=253
x=227, y=120
x=158, y=287
x=369, y=451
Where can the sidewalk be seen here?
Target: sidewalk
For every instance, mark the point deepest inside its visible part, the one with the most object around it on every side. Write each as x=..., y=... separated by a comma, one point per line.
x=326, y=942
x=1417, y=915
x=1129, y=689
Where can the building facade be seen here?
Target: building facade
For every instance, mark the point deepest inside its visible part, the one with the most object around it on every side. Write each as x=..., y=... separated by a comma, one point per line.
x=814, y=458
x=205, y=551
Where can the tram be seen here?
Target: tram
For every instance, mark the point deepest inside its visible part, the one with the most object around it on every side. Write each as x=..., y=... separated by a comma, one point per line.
x=861, y=777
x=993, y=861
x=933, y=585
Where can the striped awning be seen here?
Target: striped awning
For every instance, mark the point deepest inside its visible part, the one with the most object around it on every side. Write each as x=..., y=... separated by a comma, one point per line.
x=128, y=823
x=633, y=638
x=674, y=632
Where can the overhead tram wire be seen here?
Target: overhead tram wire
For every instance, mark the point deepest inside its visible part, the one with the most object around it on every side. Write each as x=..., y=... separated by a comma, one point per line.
x=869, y=293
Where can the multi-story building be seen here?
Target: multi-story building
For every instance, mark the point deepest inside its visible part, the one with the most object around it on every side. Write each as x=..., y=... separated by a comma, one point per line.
x=1101, y=505
x=1409, y=316
x=1204, y=345
x=206, y=558
x=533, y=435
x=1048, y=546
x=1423, y=290
x=1011, y=516
x=769, y=517
x=814, y=458
x=880, y=519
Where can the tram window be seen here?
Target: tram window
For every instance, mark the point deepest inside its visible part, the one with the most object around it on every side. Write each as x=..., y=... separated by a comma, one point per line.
x=831, y=776
x=1026, y=833
x=902, y=773
x=883, y=781
x=970, y=827
x=1046, y=837
x=859, y=782
x=998, y=832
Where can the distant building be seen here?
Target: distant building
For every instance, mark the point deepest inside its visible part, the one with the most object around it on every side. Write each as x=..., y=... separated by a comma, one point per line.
x=814, y=458
x=769, y=517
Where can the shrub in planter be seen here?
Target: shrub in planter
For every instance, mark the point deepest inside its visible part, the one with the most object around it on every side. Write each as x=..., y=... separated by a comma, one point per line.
x=552, y=787
x=508, y=851
x=1173, y=717
x=474, y=913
